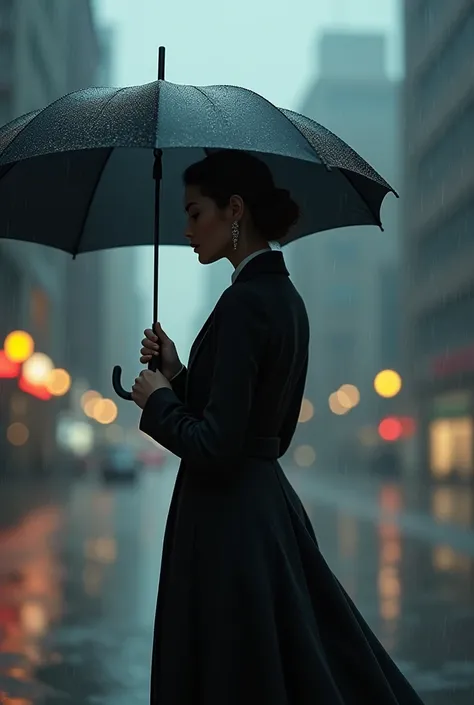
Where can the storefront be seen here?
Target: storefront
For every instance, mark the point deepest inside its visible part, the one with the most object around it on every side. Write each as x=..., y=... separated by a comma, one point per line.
x=451, y=436
x=449, y=416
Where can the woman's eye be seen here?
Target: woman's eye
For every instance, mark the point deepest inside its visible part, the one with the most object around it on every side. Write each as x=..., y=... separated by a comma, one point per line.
x=195, y=216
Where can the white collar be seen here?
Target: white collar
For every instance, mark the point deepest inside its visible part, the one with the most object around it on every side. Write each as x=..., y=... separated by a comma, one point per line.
x=245, y=261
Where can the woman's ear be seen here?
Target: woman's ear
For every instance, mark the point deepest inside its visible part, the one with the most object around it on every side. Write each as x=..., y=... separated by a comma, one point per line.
x=237, y=207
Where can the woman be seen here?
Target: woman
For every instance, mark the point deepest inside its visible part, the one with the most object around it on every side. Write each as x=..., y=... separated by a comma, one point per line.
x=248, y=610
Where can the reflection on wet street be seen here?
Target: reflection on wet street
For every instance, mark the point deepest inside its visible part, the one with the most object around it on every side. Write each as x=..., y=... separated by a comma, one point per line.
x=78, y=579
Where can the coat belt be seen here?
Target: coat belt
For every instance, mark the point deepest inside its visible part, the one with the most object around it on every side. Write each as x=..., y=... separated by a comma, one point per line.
x=263, y=447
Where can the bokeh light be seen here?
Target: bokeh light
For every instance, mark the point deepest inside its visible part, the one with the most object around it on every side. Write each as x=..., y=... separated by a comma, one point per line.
x=306, y=411
x=336, y=406
x=58, y=383
x=38, y=368
x=348, y=396
x=105, y=411
x=19, y=346
x=390, y=429
x=88, y=402
x=8, y=369
x=17, y=434
x=304, y=456
x=387, y=383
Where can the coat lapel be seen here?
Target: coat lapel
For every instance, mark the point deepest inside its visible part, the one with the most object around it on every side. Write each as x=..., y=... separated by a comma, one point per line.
x=270, y=262
x=199, y=341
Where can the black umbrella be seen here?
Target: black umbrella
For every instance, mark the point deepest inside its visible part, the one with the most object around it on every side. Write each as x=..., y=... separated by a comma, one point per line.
x=77, y=175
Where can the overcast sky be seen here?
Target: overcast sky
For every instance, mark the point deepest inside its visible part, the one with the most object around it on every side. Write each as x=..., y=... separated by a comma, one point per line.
x=250, y=43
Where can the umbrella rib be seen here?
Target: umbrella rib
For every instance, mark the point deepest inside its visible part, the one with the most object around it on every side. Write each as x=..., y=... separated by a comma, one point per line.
x=383, y=182
x=75, y=250
x=363, y=199
x=324, y=162
x=213, y=103
x=33, y=114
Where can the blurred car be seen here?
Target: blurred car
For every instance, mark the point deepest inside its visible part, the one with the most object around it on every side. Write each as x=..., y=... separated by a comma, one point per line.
x=119, y=463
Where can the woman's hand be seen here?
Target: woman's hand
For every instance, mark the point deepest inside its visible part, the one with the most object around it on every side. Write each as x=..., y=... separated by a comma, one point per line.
x=147, y=383
x=158, y=342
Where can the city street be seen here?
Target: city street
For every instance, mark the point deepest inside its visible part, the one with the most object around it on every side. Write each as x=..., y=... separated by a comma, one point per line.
x=78, y=581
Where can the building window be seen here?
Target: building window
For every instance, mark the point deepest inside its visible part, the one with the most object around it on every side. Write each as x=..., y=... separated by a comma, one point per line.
x=451, y=447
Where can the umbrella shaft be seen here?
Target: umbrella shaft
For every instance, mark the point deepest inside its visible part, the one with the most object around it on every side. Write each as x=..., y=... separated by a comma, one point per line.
x=157, y=174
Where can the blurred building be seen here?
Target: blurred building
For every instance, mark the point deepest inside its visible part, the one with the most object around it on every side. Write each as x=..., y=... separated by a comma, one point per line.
x=124, y=314
x=47, y=49
x=438, y=244
x=340, y=273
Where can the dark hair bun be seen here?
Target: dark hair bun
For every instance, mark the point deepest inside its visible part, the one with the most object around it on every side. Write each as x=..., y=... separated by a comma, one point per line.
x=274, y=214
x=226, y=172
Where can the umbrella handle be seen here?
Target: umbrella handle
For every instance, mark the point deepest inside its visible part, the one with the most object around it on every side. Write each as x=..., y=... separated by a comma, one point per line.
x=153, y=365
x=117, y=384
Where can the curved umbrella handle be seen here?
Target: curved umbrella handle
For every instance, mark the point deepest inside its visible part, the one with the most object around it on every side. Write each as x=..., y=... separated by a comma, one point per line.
x=153, y=365
x=117, y=384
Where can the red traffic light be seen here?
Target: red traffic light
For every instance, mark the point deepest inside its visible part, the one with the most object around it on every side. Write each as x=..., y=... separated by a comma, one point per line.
x=390, y=429
x=394, y=427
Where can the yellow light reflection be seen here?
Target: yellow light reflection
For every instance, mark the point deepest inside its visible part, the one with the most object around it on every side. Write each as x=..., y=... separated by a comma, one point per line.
x=454, y=505
x=390, y=557
x=446, y=560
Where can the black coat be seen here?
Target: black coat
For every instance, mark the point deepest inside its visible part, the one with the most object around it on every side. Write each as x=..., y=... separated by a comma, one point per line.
x=248, y=610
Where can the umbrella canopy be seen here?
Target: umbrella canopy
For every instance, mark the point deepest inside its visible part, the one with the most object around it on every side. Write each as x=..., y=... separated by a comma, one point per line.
x=77, y=175
x=86, y=173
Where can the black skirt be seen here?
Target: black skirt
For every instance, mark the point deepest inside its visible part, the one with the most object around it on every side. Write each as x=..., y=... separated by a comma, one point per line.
x=248, y=609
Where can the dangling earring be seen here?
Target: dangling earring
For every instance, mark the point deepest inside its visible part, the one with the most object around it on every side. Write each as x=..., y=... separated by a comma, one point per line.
x=235, y=233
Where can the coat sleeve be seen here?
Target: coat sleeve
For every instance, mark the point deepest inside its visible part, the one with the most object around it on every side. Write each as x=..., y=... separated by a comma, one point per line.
x=241, y=337
x=178, y=384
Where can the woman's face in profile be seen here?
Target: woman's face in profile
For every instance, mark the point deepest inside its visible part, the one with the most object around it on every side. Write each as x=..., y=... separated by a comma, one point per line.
x=208, y=228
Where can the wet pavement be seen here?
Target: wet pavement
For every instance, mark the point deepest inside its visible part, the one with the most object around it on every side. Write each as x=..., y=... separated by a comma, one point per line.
x=78, y=578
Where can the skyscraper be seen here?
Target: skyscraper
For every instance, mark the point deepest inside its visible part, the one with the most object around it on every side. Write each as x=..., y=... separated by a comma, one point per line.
x=438, y=232
x=337, y=272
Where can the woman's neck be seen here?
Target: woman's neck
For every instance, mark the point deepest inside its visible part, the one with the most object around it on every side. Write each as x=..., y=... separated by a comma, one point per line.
x=242, y=252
